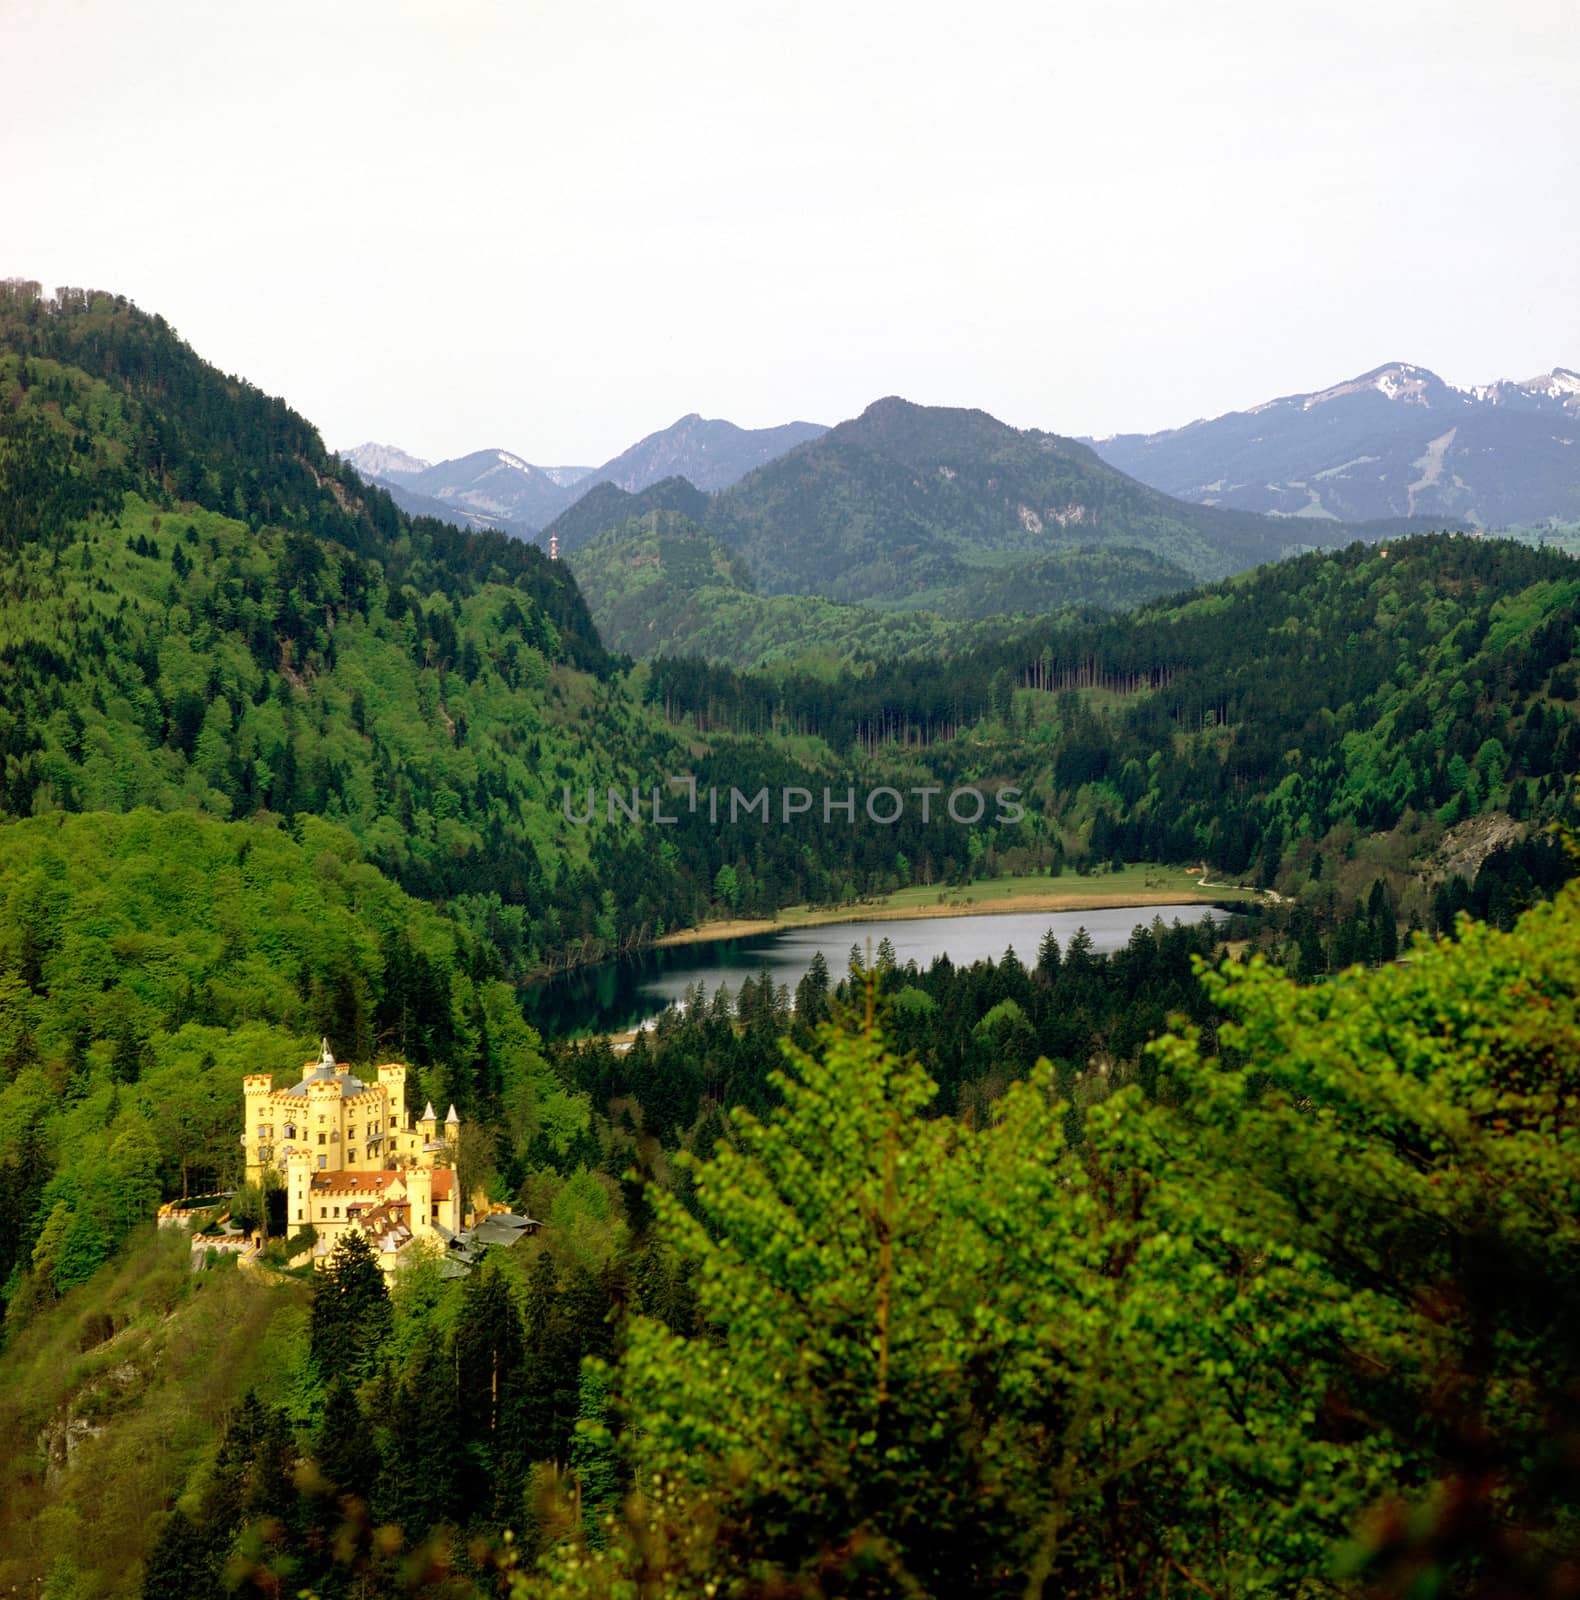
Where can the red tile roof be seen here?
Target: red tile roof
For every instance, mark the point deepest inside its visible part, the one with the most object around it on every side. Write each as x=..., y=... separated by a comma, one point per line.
x=370, y=1184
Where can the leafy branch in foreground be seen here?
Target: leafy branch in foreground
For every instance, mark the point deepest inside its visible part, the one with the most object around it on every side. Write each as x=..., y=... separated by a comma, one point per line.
x=1325, y=1284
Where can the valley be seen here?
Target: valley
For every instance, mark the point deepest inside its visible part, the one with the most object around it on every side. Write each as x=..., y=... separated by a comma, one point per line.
x=286, y=768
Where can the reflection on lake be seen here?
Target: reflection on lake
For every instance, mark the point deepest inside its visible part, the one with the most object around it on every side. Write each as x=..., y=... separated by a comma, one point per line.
x=620, y=994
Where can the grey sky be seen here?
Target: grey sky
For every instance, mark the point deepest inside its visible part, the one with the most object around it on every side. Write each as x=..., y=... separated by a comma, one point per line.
x=555, y=226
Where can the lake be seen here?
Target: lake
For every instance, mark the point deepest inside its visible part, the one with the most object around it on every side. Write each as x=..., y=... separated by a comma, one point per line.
x=632, y=990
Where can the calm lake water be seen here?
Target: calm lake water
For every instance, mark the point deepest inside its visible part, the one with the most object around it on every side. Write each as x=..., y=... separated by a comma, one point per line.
x=620, y=994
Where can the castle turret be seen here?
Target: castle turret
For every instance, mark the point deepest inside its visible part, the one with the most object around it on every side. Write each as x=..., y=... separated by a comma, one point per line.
x=392, y=1079
x=298, y=1183
x=419, y=1196
x=428, y=1123
x=257, y=1135
x=452, y=1126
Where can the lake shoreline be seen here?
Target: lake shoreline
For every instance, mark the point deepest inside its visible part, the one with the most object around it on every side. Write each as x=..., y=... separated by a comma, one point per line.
x=746, y=928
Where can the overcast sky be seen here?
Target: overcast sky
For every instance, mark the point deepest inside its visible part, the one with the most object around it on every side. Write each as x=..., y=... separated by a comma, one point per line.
x=556, y=225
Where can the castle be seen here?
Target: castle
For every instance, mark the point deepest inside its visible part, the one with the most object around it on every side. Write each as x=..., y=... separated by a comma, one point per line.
x=351, y=1159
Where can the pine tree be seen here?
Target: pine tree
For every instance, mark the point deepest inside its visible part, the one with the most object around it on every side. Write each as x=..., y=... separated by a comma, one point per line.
x=419, y=1486
x=811, y=994
x=351, y=1313
x=179, y=1564
x=491, y=1382
x=346, y=1449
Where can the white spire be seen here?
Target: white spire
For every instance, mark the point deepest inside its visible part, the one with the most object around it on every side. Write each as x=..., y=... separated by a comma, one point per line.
x=454, y=1116
x=428, y=1112
x=325, y=1059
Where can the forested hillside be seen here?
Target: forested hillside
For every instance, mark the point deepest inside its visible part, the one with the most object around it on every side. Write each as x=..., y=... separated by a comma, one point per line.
x=204, y=611
x=1281, y=1305
x=1263, y=724
x=148, y=961
x=660, y=585
x=931, y=507
x=606, y=506
x=904, y=503
x=985, y=1280
x=102, y=398
x=441, y=693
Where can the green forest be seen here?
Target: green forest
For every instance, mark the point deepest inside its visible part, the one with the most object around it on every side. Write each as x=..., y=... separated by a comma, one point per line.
x=658, y=585
x=1234, y=1262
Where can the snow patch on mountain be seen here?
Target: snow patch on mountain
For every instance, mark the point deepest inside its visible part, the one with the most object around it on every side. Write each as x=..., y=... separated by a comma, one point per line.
x=1387, y=443
x=384, y=461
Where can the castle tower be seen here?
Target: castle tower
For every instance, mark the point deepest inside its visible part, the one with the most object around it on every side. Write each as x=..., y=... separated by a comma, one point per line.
x=298, y=1184
x=419, y=1196
x=452, y=1128
x=428, y=1123
x=257, y=1137
x=392, y=1080
x=324, y=1100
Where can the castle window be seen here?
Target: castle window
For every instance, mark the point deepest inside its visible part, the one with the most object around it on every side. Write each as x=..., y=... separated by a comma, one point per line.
x=351, y=1155
x=323, y=1161
x=298, y=1213
x=337, y=1211
x=290, y=1130
x=320, y=1140
x=392, y=1122
x=323, y=1213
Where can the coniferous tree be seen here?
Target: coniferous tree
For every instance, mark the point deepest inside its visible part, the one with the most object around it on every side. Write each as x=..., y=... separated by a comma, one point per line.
x=351, y=1313
x=179, y=1564
x=594, y=1459
x=492, y=1380
x=1048, y=957
x=346, y=1449
x=419, y=1486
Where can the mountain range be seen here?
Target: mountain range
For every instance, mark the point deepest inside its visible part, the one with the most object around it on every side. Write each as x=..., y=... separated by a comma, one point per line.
x=486, y=489
x=932, y=507
x=1394, y=442
x=495, y=488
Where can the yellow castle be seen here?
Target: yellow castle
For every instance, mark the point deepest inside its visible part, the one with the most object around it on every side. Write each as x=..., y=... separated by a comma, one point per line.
x=351, y=1158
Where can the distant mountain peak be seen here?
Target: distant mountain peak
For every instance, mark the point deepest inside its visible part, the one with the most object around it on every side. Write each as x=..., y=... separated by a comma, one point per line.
x=1559, y=384
x=496, y=488
x=1396, y=441
x=1395, y=380
x=384, y=461
x=711, y=452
